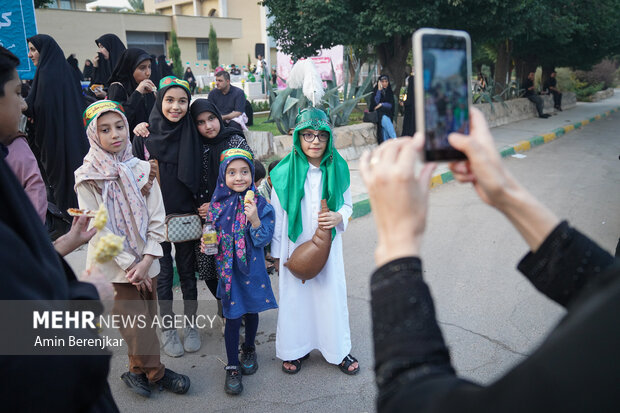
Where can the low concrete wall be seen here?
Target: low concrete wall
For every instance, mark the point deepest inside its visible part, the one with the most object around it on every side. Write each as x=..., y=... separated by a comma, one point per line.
x=603, y=94
x=519, y=109
x=352, y=140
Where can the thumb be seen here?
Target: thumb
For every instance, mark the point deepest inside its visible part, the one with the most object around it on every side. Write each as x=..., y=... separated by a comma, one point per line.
x=459, y=141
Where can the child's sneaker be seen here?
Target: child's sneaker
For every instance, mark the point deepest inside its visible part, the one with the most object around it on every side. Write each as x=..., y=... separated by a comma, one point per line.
x=248, y=361
x=191, y=339
x=233, y=384
x=172, y=343
x=174, y=382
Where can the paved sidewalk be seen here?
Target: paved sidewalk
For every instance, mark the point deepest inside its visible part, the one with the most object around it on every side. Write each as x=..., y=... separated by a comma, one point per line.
x=510, y=139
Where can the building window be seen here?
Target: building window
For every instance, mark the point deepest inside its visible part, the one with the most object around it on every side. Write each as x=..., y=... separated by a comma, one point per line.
x=65, y=4
x=151, y=42
x=202, y=49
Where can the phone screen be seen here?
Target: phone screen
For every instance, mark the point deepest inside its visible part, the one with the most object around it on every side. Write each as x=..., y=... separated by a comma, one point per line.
x=445, y=71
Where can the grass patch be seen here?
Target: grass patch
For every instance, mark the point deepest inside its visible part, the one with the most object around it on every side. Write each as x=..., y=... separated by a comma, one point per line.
x=261, y=126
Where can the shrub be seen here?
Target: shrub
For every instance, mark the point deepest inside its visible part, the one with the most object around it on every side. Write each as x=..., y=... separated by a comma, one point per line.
x=584, y=91
x=603, y=72
x=260, y=106
x=566, y=79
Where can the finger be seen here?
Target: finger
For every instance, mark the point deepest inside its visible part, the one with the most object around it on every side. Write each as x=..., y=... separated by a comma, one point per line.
x=418, y=141
x=391, y=150
x=147, y=284
x=426, y=174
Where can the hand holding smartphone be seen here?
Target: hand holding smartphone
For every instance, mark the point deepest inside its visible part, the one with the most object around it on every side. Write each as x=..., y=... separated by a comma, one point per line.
x=442, y=60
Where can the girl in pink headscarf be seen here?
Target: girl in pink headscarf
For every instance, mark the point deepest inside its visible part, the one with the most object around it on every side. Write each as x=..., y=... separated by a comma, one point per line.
x=112, y=176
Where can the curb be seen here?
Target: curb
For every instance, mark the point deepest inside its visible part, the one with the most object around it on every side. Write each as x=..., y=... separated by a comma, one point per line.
x=362, y=207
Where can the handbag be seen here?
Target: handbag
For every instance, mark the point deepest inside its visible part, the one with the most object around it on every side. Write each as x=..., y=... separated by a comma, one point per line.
x=372, y=117
x=182, y=227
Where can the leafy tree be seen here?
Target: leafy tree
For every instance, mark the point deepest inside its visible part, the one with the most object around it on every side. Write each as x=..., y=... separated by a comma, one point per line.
x=42, y=4
x=174, y=53
x=302, y=28
x=214, y=51
x=137, y=5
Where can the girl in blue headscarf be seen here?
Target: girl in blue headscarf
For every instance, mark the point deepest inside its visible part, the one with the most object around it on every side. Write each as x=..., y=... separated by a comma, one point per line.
x=244, y=223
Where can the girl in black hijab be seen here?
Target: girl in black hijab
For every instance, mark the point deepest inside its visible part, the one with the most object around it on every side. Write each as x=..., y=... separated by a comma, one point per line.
x=382, y=101
x=215, y=138
x=55, y=104
x=130, y=85
x=110, y=49
x=171, y=138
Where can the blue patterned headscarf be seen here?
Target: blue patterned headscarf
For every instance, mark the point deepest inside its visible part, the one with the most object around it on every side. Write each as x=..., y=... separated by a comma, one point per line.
x=226, y=212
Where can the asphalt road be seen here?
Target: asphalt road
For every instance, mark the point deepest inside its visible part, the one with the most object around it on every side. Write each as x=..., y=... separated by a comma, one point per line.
x=491, y=316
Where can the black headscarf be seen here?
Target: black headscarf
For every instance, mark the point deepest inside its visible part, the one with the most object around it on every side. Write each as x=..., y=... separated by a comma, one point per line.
x=164, y=68
x=129, y=60
x=56, y=104
x=74, y=65
x=175, y=142
x=217, y=144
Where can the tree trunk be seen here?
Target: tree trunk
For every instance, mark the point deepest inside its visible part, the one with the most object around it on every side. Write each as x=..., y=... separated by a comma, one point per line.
x=546, y=73
x=393, y=58
x=502, y=65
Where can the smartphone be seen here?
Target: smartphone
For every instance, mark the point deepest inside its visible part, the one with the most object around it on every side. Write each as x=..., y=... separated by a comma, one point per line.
x=442, y=61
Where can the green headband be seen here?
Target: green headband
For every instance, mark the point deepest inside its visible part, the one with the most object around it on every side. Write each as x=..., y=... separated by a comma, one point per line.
x=96, y=108
x=173, y=81
x=235, y=152
x=312, y=118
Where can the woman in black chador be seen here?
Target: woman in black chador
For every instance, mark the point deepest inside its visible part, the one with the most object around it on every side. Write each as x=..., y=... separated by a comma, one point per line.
x=55, y=105
x=110, y=50
x=409, y=108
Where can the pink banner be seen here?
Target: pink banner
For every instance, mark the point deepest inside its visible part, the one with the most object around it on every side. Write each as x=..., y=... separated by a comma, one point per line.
x=323, y=62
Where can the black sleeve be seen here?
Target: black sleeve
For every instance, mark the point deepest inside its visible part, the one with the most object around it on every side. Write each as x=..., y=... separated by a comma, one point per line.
x=131, y=107
x=240, y=101
x=116, y=92
x=564, y=264
x=573, y=370
x=137, y=147
x=409, y=346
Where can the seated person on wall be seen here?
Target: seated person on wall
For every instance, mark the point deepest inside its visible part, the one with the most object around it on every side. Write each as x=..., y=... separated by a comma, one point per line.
x=234, y=70
x=230, y=100
x=551, y=86
x=530, y=93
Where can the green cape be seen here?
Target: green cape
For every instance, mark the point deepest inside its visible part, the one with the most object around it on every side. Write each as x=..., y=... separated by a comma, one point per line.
x=289, y=175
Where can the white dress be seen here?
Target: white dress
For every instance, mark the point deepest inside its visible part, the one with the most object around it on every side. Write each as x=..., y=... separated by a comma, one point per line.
x=313, y=315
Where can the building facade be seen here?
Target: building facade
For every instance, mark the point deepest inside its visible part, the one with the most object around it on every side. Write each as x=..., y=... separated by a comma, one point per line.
x=239, y=25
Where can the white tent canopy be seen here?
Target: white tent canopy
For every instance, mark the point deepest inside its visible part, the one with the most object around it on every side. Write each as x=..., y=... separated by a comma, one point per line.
x=109, y=4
